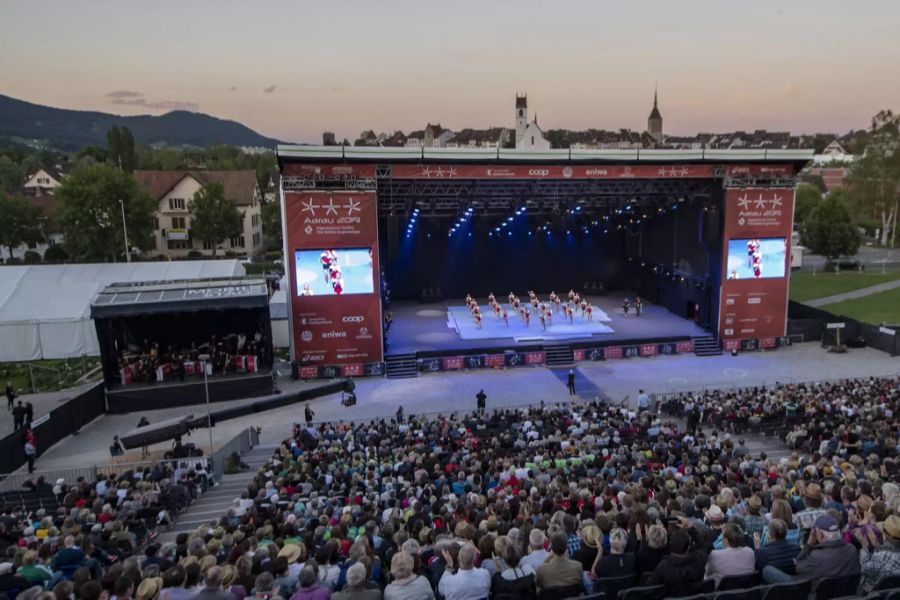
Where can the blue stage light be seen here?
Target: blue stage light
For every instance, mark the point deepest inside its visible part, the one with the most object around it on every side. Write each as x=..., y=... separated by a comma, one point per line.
x=509, y=219
x=529, y=234
x=496, y=229
x=568, y=232
x=509, y=233
x=470, y=234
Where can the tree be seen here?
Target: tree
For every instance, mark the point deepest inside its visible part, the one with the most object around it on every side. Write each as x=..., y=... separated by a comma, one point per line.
x=874, y=179
x=214, y=218
x=12, y=176
x=271, y=224
x=56, y=254
x=120, y=148
x=20, y=222
x=830, y=231
x=808, y=198
x=91, y=218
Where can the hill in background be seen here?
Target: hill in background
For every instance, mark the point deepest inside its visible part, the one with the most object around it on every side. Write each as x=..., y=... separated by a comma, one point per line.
x=25, y=123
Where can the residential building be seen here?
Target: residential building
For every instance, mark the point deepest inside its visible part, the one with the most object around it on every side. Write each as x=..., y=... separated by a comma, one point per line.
x=495, y=137
x=43, y=182
x=174, y=190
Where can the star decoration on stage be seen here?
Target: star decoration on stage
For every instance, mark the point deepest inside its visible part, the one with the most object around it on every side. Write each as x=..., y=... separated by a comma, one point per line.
x=744, y=202
x=760, y=202
x=673, y=171
x=331, y=208
x=776, y=201
x=351, y=206
x=310, y=206
x=439, y=172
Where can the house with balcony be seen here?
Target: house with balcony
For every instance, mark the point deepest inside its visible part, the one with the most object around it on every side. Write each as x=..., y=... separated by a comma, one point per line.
x=174, y=190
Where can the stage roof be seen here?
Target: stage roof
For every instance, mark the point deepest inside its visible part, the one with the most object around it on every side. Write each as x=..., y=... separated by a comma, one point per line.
x=163, y=297
x=376, y=154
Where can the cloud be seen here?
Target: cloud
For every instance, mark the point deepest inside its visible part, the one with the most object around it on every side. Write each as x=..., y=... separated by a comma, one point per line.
x=270, y=89
x=124, y=94
x=233, y=88
x=131, y=98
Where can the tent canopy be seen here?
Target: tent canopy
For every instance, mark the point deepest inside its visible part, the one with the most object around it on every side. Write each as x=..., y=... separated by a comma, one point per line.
x=45, y=309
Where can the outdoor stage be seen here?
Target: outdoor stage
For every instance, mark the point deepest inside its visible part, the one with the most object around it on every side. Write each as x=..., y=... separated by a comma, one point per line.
x=435, y=328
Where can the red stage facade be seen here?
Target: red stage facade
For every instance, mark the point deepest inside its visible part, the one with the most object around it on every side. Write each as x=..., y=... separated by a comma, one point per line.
x=757, y=220
x=341, y=326
x=743, y=202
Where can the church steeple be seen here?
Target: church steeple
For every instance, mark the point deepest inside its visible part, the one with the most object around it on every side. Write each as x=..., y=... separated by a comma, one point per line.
x=654, y=121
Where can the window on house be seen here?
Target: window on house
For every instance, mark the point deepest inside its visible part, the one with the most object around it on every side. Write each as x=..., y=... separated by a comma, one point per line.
x=237, y=242
x=176, y=203
x=178, y=223
x=155, y=223
x=179, y=244
x=208, y=245
x=32, y=245
x=256, y=239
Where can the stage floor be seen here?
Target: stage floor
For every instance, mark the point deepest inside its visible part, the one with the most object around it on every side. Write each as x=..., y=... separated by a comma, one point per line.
x=430, y=327
x=460, y=319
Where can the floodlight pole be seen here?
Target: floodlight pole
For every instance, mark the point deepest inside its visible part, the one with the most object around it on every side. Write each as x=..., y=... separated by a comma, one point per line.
x=208, y=414
x=125, y=231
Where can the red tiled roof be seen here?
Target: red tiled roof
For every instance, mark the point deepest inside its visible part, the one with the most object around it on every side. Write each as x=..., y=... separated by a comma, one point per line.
x=240, y=186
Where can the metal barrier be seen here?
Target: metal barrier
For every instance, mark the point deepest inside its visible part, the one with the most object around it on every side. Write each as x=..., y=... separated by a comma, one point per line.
x=240, y=443
x=452, y=414
x=15, y=481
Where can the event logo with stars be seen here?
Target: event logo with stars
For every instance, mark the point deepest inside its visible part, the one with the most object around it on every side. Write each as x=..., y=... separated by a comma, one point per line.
x=439, y=172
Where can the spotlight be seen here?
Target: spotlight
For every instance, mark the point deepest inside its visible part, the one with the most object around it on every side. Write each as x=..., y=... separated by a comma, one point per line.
x=568, y=232
x=509, y=233
x=509, y=219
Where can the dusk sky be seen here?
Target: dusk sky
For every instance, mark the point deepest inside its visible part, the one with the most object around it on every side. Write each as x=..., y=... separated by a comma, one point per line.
x=293, y=69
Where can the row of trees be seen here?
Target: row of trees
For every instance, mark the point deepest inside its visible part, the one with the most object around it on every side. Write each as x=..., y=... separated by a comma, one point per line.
x=90, y=216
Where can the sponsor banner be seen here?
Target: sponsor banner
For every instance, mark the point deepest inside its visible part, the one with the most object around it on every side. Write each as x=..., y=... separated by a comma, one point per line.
x=431, y=365
x=537, y=358
x=756, y=268
x=749, y=345
x=374, y=369
x=309, y=372
x=533, y=171
x=758, y=170
x=475, y=361
x=453, y=363
x=352, y=370
x=340, y=322
x=578, y=354
x=649, y=350
x=328, y=171
x=684, y=347
x=515, y=359
x=494, y=360
x=596, y=354
x=730, y=345
x=630, y=351
x=613, y=352
x=767, y=342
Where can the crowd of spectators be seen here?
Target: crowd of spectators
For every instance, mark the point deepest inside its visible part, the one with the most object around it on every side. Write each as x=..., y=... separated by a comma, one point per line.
x=535, y=503
x=66, y=540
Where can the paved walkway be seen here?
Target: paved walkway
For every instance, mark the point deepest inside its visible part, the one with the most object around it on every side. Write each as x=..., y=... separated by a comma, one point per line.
x=860, y=293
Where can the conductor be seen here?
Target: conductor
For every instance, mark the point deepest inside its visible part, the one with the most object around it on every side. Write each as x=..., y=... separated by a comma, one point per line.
x=480, y=400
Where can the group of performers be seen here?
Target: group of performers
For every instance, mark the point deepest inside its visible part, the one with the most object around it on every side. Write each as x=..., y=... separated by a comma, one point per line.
x=542, y=310
x=148, y=363
x=638, y=306
x=332, y=272
x=754, y=260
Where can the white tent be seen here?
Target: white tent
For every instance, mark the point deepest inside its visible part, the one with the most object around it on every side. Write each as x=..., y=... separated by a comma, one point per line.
x=45, y=309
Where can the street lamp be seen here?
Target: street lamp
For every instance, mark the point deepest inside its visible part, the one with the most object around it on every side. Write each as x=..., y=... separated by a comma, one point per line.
x=125, y=231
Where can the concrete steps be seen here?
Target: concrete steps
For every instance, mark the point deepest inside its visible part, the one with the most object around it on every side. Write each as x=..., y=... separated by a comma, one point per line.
x=213, y=504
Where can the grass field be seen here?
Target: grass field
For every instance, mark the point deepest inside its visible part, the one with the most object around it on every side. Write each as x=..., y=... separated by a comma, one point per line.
x=48, y=375
x=807, y=286
x=875, y=309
